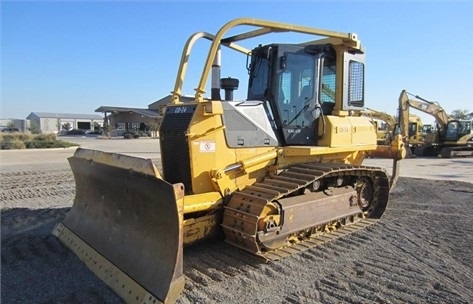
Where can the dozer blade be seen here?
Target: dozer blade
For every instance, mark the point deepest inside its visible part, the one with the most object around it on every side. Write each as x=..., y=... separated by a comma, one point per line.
x=126, y=225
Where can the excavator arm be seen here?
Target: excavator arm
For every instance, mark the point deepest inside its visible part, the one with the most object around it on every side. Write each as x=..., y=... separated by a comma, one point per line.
x=384, y=136
x=389, y=119
x=423, y=105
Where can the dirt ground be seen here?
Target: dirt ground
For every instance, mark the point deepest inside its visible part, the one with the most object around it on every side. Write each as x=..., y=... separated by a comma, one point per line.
x=419, y=252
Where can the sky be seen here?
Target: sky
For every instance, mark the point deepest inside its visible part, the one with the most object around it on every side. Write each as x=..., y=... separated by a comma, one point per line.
x=75, y=56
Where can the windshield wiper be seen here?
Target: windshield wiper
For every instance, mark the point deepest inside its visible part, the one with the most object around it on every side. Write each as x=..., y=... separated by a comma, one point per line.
x=304, y=108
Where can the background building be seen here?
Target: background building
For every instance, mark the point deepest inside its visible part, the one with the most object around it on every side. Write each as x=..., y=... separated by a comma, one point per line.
x=54, y=122
x=123, y=119
x=118, y=119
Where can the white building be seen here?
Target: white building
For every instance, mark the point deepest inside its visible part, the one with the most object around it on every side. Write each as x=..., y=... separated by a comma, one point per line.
x=53, y=122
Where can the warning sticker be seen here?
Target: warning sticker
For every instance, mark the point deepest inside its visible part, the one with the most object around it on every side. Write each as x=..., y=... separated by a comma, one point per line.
x=207, y=146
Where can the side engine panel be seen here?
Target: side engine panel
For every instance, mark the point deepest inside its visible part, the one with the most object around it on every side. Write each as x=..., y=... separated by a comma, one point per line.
x=246, y=125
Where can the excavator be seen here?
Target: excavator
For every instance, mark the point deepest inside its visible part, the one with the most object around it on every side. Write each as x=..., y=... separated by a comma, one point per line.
x=452, y=138
x=387, y=128
x=387, y=125
x=384, y=123
x=276, y=173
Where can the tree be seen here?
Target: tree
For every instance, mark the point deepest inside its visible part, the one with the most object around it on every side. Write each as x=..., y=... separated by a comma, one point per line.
x=460, y=114
x=66, y=126
x=105, y=128
x=34, y=127
x=154, y=126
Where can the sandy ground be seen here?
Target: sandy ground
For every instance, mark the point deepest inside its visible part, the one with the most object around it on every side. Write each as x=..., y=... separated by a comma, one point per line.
x=419, y=252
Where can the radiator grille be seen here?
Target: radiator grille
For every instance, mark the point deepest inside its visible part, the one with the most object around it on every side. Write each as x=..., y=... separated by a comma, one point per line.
x=174, y=145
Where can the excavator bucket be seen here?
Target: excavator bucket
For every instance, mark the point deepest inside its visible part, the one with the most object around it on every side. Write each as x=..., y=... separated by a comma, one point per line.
x=126, y=225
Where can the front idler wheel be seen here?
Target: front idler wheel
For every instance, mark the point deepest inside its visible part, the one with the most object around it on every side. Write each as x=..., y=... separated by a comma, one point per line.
x=365, y=190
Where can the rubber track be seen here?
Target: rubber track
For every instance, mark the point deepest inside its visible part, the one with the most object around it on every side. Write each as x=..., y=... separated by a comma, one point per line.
x=247, y=205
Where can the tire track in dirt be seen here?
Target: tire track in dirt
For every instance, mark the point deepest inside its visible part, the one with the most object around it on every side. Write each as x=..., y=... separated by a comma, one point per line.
x=36, y=188
x=11, y=180
x=307, y=296
x=433, y=265
x=333, y=287
x=426, y=259
x=37, y=192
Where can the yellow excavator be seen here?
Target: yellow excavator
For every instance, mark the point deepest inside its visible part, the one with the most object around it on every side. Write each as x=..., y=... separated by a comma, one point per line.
x=278, y=172
x=453, y=137
x=387, y=126
x=384, y=123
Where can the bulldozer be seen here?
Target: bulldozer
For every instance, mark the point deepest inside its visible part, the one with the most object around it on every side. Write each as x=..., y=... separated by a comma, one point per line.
x=452, y=138
x=275, y=173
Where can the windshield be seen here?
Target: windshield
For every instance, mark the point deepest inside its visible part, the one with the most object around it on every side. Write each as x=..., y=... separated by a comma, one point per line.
x=465, y=127
x=258, y=82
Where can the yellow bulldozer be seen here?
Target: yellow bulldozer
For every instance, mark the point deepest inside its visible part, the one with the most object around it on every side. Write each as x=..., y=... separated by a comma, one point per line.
x=278, y=172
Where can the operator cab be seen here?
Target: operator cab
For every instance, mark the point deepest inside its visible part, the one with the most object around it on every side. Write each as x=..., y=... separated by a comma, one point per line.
x=457, y=129
x=298, y=86
x=412, y=129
